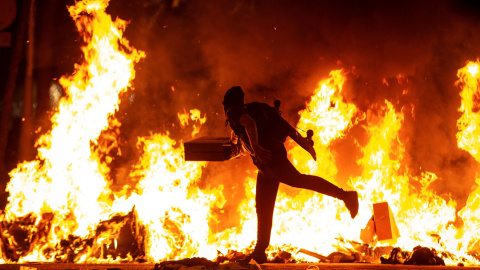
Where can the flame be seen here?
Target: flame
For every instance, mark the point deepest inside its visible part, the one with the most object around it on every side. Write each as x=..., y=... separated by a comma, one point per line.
x=330, y=118
x=63, y=199
x=63, y=206
x=194, y=115
x=467, y=139
x=318, y=220
x=468, y=122
x=68, y=179
x=173, y=209
x=385, y=178
x=310, y=221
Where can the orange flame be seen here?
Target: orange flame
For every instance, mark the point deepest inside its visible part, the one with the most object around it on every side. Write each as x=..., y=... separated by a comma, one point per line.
x=330, y=117
x=67, y=178
x=467, y=137
x=468, y=122
x=63, y=200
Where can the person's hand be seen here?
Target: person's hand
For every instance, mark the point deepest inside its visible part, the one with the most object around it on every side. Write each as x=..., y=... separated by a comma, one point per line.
x=233, y=138
x=261, y=154
x=311, y=150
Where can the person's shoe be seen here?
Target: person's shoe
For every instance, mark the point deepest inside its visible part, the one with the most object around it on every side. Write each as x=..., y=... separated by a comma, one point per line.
x=351, y=202
x=258, y=257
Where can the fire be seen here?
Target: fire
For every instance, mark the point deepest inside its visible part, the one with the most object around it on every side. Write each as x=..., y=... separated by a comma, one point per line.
x=327, y=114
x=385, y=177
x=172, y=208
x=63, y=207
x=468, y=122
x=194, y=115
x=330, y=118
x=467, y=137
x=65, y=188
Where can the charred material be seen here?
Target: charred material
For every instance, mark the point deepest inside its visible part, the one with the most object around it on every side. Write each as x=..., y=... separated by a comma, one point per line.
x=20, y=236
x=231, y=256
x=425, y=256
x=397, y=256
x=125, y=239
x=283, y=257
x=419, y=256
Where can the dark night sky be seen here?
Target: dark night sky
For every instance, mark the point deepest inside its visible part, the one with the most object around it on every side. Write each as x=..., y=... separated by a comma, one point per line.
x=282, y=49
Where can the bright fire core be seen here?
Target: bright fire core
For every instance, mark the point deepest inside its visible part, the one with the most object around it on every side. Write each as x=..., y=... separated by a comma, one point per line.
x=62, y=205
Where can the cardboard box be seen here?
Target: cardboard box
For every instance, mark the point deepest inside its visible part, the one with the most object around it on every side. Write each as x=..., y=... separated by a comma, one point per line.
x=367, y=235
x=385, y=226
x=208, y=149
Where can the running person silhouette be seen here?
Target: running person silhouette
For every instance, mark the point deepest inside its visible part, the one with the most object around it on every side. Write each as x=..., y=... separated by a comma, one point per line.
x=260, y=131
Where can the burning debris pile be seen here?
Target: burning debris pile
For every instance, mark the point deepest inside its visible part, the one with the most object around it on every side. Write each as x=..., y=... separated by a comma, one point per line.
x=420, y=256
x=121, y=232
x=63, y=206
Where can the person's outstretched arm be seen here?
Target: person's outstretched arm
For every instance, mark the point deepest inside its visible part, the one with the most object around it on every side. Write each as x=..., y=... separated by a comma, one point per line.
x=303, y=142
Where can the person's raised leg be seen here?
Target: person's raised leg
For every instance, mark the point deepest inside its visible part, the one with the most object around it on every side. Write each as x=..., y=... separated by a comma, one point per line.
x=286, y=173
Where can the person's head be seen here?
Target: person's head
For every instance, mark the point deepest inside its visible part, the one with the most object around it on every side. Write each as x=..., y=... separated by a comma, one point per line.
x=233, y=97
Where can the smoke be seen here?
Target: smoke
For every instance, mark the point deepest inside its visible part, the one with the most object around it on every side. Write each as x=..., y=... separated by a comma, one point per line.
x=282, y=49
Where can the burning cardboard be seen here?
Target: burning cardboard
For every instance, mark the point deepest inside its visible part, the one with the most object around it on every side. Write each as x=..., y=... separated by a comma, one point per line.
x=66, y=161
x=367, y=234
x=382, y=224
x=385, y=226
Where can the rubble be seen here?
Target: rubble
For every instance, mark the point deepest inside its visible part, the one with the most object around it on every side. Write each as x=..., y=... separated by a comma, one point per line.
x=424, y=256
x=315, y=255
x=20, y=237
x=419, y=256
x=397, y=256
x=283, y=257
